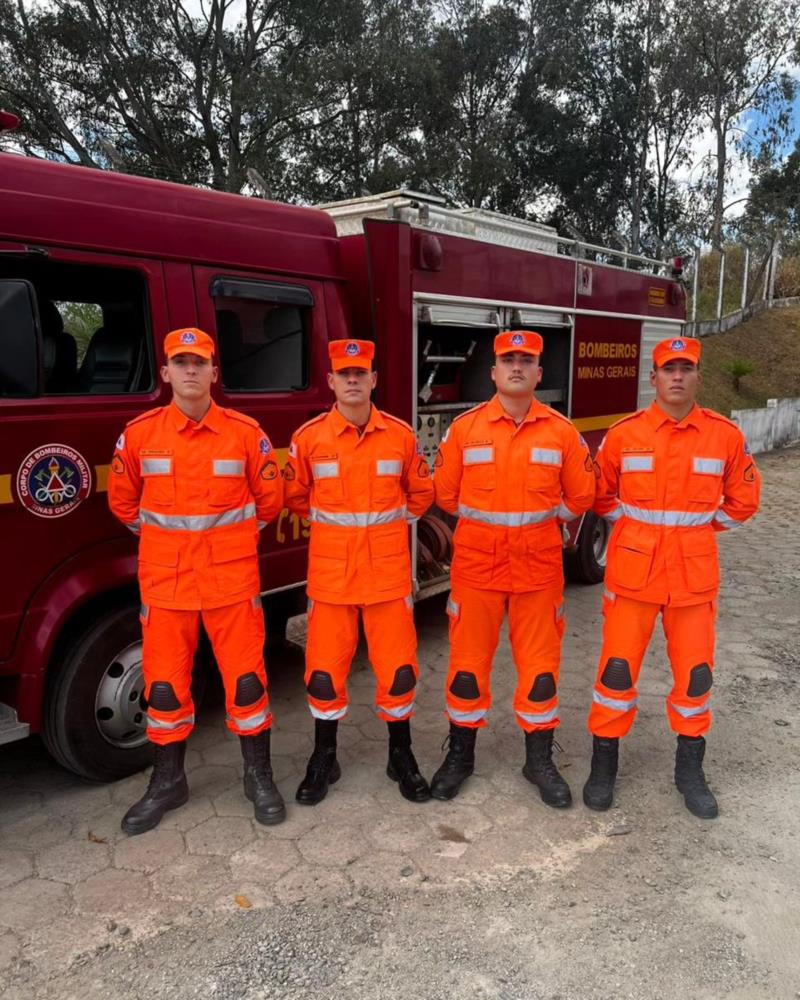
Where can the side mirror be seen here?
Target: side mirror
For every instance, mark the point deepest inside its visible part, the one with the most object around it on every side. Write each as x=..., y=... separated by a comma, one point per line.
x=20, y=337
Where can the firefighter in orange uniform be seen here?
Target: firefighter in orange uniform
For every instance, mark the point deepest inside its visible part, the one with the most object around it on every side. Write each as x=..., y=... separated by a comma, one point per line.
x=355, y=473
x=197, y=482
x=514, y=471
x=669, y=477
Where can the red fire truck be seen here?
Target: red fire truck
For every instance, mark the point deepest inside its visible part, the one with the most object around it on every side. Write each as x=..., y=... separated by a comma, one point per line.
x=96, y=267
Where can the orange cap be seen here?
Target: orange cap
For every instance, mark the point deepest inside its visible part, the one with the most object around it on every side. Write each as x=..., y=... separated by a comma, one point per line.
x=188, y=340
x=351, y=354
x=685, y=348
x=524, y=341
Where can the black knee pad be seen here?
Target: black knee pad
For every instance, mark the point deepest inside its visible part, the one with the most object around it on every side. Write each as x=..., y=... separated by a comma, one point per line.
x=320, y=686
x=700, y=680
x=248, y=690
x=163, y=697
x=465, y=685
x=617, y=675
x=404, y=680
x=544, y=688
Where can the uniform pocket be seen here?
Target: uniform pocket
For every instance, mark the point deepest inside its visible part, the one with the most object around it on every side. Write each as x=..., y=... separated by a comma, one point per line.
x=699, y=549
x=328, y=485
x=391, y=563
x=158, y=565
x=474, y=554
x=637, y=477
x=227, y=483
x=158, y=480
x=235, y=562
x=478, y=468
x=545, y=562
x=327, y=559
x=632, y=557
x=385, y=487
x=705, y=481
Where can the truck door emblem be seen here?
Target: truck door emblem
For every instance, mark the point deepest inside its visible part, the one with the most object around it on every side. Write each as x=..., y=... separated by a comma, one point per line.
x=53, y=480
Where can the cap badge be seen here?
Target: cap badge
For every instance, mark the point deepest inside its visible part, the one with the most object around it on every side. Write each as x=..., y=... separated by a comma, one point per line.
x=187, y=337
x=517, y=340
x=678, y=345
x=352, y=349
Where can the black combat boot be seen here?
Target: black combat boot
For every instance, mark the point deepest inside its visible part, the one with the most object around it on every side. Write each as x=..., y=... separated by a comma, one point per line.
x=259, y=787
x=458, y=765
x=542, y=772
x=598, y=792
x=323, y=767
x=402, y=766
x=167, y=790
x=691, y=780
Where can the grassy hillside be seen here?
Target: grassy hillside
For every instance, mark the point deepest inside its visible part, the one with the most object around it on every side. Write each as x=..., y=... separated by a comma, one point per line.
x=771, y=343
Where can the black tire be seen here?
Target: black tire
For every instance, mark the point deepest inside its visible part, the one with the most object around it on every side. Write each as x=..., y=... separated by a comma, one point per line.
x=587, y=564
x=278, y=609
x=94, y=719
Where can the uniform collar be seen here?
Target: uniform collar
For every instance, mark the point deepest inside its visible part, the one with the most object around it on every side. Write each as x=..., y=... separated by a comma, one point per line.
x=495, y=411
x=340, y=425
x=657, y=417
x=212, y=420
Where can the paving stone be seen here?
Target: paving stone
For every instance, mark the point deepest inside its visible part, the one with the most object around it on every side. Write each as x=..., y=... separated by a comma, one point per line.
x=73, y=861
x=408, y=834
x=9, y=949
x=299, y=819
x=308, y=882
x=378, y=870
x=35, y=831
x=290, y=742
x=455, y=817
x=213, y=780
x=113, y=892
x=32, y=903
x=77, y=802
x=187, y=817
x=226, y=752
x=264, y=862
x=149, y=851
x=232, y=803
x=192, y=878
x=333, y=845
x=14, y=866
x=220, y=835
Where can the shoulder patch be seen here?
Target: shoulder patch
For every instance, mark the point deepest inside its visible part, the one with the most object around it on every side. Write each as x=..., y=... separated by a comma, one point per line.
x=147, y=415
x=396, y=420
x=236, y=415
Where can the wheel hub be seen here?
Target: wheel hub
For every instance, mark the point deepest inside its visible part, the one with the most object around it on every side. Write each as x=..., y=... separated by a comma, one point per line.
x=119, y=704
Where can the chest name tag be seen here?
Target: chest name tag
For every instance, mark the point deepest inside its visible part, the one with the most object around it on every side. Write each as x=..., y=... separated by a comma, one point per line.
x=478, y=456
x=325, y=470
x=546, y=456
x=228, y=467
x=156, y=466
x=388, y=467
x=708, y=466
x=637, y=463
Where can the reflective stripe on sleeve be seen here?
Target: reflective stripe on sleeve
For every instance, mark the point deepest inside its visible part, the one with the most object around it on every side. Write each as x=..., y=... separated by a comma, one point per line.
x=477, y=456
x=668, y=518
x=156, y=466
x=187, y=720
x=614, y=515
x=617, y=704
x=565, y=513
x=458, y=716
x=452, y=607
x=539, y=718
x=708, y=466
x=325, y=470
x=388, y=467
x=350, y=520
x=134, y=526
x=507, y=519
x=197, y=522
x=609, y=596
x=726, y=520
x=546, y=456
x=637, y=463
x=409, y=602
x=228, y=467
x=560, y=612
x=689, y=713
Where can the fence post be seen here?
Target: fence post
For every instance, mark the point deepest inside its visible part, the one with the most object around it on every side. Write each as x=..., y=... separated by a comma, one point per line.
x=773, y=273
x=745, y=278
x=721, y=287
x=695, y=282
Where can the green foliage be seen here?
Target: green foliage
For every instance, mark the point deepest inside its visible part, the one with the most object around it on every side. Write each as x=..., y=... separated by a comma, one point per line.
x=737, y=369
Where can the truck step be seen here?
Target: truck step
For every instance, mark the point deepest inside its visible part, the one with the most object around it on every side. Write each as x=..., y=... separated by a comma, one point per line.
x=10, y=727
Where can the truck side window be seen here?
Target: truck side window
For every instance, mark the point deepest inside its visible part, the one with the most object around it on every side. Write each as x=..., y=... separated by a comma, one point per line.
x=262, y=331
x=94, y=327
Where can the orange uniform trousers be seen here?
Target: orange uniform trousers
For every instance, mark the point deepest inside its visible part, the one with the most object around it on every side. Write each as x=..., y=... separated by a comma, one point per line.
x=392, y=648
x=627, y=629
x=536, y=628
x=170, y=639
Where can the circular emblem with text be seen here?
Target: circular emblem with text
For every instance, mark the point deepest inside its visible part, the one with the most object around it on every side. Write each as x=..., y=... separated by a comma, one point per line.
x=352, y=349
x=677, y=345
x=53, y=480
x=517, y=340
x=187, y=337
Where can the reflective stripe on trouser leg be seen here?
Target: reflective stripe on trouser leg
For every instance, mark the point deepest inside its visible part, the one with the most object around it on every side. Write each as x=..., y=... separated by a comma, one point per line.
x=392, y=648
x=627, y=628
x=237, y=637
x=330, y=647
x=536, y=628
x=169, y=641
x=475, y=620
x=690, y=636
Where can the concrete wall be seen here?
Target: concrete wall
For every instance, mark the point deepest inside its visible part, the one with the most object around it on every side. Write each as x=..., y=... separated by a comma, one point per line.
x=706, y=327
x=774, y=426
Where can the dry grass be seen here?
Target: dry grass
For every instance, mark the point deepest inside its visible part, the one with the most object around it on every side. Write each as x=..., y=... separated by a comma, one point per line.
x=771, y=342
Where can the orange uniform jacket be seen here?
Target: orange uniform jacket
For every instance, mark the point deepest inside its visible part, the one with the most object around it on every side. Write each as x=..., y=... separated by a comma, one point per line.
x=359, y=492
x=669, y=486
x=197, y=492
x=511, y=486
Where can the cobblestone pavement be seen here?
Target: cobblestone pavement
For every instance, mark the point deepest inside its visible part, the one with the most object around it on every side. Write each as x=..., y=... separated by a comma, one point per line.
x=645, y=883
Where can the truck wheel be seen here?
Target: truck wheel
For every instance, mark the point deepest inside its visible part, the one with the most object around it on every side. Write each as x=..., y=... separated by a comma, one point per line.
x=94, y=714
x=587, y=564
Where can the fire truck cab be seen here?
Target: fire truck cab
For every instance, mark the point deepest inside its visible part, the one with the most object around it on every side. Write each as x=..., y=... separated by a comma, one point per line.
x=96, y=267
